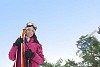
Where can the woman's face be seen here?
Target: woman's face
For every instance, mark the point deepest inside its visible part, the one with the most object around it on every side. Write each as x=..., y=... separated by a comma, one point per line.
x=30, y=31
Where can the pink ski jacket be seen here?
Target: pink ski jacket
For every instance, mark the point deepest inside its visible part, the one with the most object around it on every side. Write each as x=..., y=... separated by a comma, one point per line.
x=15, y=54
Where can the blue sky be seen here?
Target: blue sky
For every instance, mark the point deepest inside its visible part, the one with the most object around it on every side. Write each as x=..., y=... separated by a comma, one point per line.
x=60, y=23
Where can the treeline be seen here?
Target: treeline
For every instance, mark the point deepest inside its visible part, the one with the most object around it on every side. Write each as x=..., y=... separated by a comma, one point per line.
x=90, y=55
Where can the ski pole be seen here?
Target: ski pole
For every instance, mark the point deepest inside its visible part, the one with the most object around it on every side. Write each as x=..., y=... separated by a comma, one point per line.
x=27, y=62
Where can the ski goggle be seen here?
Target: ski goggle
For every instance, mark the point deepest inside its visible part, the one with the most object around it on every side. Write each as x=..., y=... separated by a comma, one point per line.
x=29, y=24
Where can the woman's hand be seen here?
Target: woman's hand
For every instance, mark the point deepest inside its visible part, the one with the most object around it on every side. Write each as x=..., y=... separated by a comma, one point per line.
x=18, y=42
x=29, y=54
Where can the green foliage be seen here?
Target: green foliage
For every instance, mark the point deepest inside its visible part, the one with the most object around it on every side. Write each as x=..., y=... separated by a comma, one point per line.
x=69, y=63
x=91, y=55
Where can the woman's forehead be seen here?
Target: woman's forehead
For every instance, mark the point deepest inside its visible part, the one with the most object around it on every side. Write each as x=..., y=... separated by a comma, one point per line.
x=29, y=28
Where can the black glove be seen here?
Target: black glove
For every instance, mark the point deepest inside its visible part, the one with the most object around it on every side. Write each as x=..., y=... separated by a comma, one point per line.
x=18, y=42
x=29, y=54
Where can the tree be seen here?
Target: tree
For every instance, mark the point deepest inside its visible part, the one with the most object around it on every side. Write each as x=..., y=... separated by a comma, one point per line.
x=70, y=63
x=58, y=64
x=47, y=64
x=91, y=55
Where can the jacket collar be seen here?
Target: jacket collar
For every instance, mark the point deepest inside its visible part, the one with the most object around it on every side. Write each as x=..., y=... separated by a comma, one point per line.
x=31, y=39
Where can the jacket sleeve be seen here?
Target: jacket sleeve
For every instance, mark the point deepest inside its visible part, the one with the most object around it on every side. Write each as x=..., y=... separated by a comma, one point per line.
x=12, y=53
x=39, y=57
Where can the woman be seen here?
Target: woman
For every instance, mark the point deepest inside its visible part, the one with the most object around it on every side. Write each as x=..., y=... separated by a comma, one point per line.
x=33, y=49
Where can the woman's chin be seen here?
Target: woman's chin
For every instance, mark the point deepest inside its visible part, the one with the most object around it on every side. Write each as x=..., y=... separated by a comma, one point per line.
x=29, y=36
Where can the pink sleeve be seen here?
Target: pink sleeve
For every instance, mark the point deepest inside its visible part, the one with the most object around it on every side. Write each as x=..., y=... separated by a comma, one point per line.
x=12, y=53
x=39, y=57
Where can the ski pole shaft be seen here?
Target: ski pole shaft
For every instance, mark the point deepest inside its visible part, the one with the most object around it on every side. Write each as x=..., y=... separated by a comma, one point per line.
x=27, y=62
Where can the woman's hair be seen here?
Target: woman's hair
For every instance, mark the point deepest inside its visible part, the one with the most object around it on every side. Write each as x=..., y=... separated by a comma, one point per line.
x=35, y=38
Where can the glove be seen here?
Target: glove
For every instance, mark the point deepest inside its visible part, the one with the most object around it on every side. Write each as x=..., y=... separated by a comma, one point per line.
x=18, y=42
x=29, y=54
